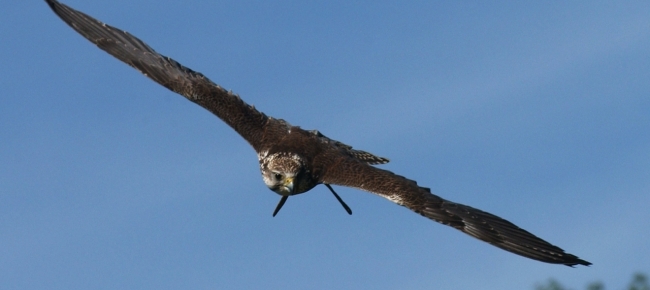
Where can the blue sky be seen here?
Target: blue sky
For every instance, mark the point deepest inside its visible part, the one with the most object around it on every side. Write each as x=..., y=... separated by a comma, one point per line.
x=536, y=112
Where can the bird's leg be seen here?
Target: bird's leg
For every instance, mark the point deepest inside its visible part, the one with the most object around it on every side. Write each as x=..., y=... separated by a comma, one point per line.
x=280, y=204
x=339, y=199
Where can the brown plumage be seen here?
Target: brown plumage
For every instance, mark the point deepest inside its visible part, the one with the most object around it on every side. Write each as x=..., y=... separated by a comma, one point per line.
x=293, y=160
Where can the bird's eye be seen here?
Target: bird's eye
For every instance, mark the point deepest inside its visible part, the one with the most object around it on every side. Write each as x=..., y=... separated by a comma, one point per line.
x=277, y=176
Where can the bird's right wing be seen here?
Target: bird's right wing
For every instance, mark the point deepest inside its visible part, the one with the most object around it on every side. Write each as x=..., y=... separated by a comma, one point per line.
x=484, y=226
x=245, y=119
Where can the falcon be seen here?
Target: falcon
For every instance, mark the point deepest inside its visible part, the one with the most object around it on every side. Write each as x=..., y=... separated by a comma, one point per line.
x=293, y=160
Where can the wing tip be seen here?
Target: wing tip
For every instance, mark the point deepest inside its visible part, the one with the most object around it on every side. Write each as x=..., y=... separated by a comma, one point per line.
x=574, y=261
x=53, y=4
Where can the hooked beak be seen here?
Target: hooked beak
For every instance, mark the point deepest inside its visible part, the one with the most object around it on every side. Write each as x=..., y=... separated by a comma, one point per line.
x=287, y=186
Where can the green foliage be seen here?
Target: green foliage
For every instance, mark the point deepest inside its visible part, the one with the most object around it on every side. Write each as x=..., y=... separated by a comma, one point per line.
x=596, y=286
x=552, y=284
x=639, y=282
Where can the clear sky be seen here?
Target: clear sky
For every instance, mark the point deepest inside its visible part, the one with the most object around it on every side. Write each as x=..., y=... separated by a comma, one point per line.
x=536, y=112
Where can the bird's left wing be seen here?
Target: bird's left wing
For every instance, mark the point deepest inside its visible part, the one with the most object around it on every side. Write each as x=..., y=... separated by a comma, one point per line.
x=245, y=119
x=346, y=171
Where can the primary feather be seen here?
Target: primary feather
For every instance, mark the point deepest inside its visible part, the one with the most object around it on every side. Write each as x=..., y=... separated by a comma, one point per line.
x=293, y=160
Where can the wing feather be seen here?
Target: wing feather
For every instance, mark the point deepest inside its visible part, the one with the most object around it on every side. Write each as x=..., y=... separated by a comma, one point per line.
x=474, y=222
x=351, y=169
x=245, y=119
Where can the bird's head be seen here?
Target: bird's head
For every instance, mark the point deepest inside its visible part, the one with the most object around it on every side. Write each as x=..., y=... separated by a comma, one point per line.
x=282, y=173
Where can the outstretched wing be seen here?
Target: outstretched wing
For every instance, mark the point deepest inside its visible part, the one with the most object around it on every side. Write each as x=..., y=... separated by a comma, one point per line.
x=245, y=119
x=474, y=222
x=360, y=155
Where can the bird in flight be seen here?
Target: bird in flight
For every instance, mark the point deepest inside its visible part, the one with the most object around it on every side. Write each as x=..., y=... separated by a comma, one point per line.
x=293, y=160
